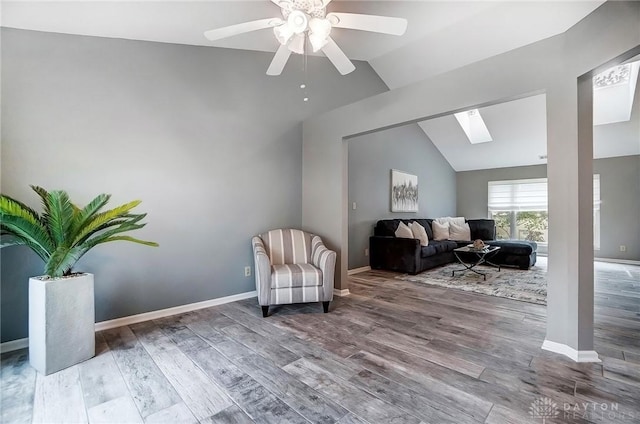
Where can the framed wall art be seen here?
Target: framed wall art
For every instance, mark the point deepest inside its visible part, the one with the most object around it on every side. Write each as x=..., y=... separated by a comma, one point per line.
x=404, y=192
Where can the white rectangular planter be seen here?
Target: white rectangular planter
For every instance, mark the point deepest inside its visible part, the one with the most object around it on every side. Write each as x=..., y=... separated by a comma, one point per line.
x=61, y=322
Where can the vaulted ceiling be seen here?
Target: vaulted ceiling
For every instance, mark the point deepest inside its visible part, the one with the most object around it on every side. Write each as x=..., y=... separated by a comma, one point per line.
x=441, y=36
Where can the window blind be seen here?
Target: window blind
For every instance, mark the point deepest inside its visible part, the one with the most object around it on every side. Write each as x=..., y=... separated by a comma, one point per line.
x=527, y=195
x=518, y=195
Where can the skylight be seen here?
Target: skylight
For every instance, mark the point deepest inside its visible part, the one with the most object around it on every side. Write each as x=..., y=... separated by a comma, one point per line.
x=473, y=126
x=613, y=93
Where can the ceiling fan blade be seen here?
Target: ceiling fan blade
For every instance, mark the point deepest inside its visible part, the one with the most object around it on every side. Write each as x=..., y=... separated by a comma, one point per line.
x=279, y=60
x=286, y=4
x=373, y=23
x=337, y=57
x=230, y=31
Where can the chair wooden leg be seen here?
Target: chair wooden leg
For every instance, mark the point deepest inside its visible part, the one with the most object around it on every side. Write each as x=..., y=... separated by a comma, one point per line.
x=325, y=306
x=265, y=311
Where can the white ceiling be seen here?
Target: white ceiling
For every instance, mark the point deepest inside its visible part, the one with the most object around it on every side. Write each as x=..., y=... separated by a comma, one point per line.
x=449, y=33
x=518, y=126
x=519, y=132
x=441, y=36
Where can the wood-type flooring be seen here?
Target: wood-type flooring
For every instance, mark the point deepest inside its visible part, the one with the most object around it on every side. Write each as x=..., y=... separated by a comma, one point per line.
x=391, y=352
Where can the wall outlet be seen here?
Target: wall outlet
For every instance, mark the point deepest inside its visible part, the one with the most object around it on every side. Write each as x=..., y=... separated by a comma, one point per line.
x=366, y=252
x=623, y=248
x=247, y=271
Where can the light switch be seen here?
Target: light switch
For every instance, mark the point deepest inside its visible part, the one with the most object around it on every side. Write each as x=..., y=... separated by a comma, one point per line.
x=353, y=206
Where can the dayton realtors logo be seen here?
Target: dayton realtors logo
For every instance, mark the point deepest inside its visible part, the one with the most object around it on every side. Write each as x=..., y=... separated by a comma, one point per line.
x=546, y=409
x=543, y=408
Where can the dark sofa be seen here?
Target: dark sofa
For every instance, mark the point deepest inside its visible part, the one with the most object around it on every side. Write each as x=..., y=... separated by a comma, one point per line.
x=388, y=252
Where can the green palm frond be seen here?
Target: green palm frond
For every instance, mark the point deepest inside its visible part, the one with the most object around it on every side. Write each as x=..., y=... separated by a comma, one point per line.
x=88, y=212
x=60, y=216
x=62, y=260
x=10, y=240
x=125, y=219
x=123, y=238
x=65, y=232
x=100, y=219
x=10, y=206
x=44, y=198
x=23, y=229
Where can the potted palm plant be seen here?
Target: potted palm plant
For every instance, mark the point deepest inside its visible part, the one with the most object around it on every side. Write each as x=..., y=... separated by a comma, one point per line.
x=61, y=302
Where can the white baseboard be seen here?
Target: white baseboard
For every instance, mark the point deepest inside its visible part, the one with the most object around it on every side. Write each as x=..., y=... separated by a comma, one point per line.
x=576, y=355
x=14, y=345
x=341, y=293
x=358, y=270
x=617, y=261
x=134, y=319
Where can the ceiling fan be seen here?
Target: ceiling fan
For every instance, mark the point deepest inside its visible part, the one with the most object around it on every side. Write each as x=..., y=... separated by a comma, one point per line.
x=304, y=20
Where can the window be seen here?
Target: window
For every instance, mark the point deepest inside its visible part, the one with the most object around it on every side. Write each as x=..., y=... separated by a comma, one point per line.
x=473, y=126
x=613, y=93
x=520, y=209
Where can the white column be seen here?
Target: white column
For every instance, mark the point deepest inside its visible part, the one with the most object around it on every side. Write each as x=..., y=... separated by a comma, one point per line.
x=570, y=176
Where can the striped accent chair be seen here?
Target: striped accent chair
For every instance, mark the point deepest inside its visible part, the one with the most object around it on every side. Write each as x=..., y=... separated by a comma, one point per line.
x=292, y=266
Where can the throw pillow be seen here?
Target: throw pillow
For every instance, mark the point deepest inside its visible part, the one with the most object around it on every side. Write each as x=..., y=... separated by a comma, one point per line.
x=459, y=232
x=459, y=220
x=440, y=231
x=420, y=233
x=404, y=231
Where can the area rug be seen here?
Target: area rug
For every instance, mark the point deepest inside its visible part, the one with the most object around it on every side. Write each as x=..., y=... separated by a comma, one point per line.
x=511, y=283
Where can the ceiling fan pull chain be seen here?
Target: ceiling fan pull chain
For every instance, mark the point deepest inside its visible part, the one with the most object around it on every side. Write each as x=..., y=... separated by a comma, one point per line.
x=305, y=97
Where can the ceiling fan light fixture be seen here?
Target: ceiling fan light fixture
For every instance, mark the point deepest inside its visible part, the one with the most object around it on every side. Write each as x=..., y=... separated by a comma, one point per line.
x=298, y=21
x=317, y=42
x=283, y=34
x=297, y=44
x=319, y=30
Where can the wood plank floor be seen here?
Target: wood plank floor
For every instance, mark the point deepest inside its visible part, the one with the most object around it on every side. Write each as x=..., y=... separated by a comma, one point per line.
x=391, y=352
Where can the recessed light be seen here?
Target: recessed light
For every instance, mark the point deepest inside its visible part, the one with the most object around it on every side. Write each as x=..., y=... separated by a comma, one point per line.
x=306, y=99
x=303, y=86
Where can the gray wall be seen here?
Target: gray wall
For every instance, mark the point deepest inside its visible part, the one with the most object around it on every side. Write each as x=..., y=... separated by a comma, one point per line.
x=620, y=207
x=371, y=158
x=211, y=145
x=619, y=194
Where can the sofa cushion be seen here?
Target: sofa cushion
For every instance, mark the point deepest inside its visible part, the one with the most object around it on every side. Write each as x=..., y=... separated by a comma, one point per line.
x=483, y=229
x=386, y=227
x=440, y=231
x=426, y=223
x=403, y=231
x=459, y=232
x=443, y=245
x=516, y=247
x=420, y=233
x=427, y=251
